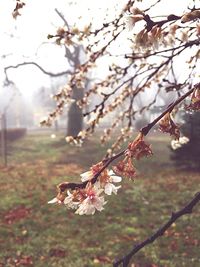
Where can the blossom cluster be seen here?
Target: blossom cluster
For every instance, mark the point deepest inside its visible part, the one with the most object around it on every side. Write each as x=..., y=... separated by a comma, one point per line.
x=175, y=144
x=137, y=149
x=153, y=35
x=91, y=198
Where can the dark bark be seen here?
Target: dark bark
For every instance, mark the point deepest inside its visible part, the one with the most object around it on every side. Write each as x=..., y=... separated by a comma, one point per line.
x=75, y=116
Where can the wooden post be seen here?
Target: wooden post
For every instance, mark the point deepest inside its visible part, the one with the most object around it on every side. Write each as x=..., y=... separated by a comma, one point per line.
x=3, y=139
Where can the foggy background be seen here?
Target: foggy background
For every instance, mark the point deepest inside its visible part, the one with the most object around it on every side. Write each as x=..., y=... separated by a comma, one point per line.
x=27, y=99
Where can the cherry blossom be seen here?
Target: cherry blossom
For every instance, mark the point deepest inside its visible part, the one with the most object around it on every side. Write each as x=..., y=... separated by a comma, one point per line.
x=69, y=201
x=59, y=199
x=92, y=202
x=86, y=176
x=175, y=144
x=107, y=180
x=55, y=200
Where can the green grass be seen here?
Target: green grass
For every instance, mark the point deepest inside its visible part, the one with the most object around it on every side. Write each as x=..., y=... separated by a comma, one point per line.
x=33, y=233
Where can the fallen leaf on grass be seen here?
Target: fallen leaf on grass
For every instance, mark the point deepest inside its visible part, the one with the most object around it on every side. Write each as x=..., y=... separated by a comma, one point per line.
x=189, y=241
x=16, y=214
x=22, y=261
x=57, y=252
x=129, y=238
x=102, y=259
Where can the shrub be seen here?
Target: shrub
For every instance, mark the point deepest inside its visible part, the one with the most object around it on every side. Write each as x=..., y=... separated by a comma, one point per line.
x=188, y=154
x=14, y=133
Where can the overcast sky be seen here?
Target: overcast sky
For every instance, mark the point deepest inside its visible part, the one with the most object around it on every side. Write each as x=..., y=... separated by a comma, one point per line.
x=25, y=39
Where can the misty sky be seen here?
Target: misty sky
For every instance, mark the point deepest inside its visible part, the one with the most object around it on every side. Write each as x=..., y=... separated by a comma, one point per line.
x=25, y=39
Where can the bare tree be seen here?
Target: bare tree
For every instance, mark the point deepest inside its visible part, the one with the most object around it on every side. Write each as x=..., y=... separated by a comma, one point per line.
x=74, y=57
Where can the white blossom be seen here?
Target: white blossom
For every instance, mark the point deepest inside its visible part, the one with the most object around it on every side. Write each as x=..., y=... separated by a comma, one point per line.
x=69, y=201
x=175, y=144
x=114, y=178
x=92, y=203
x=109, y=187
x=54, y=201
x=86, y=176
x=184, y=140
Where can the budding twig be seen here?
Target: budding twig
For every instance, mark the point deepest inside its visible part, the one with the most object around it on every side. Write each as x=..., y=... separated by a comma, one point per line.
x=144, y=131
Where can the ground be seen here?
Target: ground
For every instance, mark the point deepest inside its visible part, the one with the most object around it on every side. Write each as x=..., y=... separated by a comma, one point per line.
x=33, y=233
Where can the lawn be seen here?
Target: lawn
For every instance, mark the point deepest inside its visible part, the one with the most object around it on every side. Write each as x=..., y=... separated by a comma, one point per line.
x=33, y=233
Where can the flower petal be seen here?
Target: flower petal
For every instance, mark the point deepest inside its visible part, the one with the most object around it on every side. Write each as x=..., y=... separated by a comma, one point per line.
x=90, y=210
x=111, y=172
x=99, y=203
x=115, y=189
x=108, y=189
x=53, y=201
x=116, y=179
x=86, y=176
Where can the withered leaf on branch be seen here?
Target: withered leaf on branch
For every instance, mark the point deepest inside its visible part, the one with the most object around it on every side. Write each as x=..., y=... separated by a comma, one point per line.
x=167, y=125
x=19, y=5
x=125, y=168
x=138, y=148
x=195, y=99
x=193, y=15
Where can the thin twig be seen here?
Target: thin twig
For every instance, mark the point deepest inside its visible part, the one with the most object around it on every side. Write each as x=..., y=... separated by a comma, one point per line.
x=145, y=130
x=58, y=74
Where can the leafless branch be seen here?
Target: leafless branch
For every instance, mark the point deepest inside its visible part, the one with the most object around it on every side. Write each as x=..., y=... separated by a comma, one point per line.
x=36, y=65
x=145, y=130
x=175, y=216
x=63, y=18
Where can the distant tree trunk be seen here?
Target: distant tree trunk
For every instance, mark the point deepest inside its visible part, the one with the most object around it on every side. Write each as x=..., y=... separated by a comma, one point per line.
x=75, y=116
x=56, y=127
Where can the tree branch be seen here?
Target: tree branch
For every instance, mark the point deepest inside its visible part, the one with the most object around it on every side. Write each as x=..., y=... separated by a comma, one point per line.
x=145, y=130
x=36, y=65
x=63, y=18
x=175, y=215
